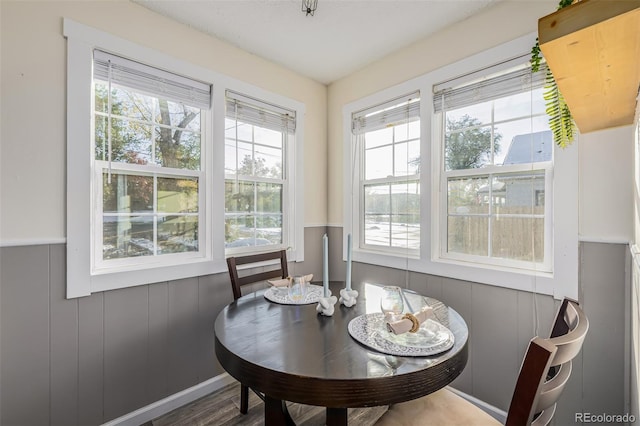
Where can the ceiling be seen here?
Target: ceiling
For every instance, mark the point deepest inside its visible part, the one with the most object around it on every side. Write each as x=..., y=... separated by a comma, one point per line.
x=342, y=37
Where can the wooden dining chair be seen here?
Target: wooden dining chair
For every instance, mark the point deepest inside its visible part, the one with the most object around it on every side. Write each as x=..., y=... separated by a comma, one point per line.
x=238, y=281
x=544, y=373
x=282, y=271
x=567, y=334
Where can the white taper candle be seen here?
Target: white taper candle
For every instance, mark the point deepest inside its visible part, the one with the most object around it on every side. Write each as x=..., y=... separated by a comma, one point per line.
x=348, y=262
x=325, y=265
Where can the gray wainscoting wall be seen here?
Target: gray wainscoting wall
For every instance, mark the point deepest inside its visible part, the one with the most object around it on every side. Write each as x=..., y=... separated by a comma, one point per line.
x=89, y=360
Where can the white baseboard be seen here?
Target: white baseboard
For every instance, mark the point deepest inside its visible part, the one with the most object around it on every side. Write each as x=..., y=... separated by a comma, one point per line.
x=494, y=412
x=170, y=403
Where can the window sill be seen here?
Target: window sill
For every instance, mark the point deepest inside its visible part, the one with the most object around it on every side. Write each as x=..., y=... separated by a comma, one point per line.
x=117, y=280
x=516, y=279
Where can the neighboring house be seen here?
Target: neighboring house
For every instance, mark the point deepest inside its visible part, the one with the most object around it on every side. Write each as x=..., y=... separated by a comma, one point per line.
x=521, y=189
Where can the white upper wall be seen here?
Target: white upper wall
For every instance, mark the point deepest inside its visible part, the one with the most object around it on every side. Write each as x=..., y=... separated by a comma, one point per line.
x=33, y=90
x=606, y=185
x=605, y=157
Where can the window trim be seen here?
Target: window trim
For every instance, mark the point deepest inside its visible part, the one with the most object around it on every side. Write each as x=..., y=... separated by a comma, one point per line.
x=81, y=42
x=562, y=281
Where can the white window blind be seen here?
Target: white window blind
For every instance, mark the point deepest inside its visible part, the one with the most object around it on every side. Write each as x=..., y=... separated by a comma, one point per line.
x=150, y=80
x=402, y=109
x=448, y=95
x=259, y=113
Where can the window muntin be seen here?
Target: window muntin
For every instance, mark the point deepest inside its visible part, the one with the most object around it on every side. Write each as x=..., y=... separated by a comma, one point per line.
x=497, y=166
x=257, y=138
x=148, y=168
x=388, y=136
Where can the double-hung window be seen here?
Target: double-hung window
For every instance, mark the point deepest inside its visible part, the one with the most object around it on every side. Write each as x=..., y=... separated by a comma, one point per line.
x=258, y=184
x=460, y=177
x=495, y=168
x=148, y=169
x=387, y=138
x=165, y=175
x=139, y=165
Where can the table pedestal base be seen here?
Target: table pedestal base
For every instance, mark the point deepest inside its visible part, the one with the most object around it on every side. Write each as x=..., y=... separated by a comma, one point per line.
x=336, y=417
x=277, y=414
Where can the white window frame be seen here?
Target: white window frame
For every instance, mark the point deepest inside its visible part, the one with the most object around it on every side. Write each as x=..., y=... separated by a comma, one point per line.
x=359, y=150
x=560, y=281
x=100, y=167
x=293, y=205
x=441, y=175
x=81, y=279
x=288, y=187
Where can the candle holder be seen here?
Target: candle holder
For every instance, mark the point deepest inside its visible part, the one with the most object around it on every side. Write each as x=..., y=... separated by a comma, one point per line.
x=326, y=305
x=348, y=297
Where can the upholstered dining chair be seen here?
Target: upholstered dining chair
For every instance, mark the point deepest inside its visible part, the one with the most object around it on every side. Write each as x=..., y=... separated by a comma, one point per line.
x=544, y=373
x=282, y=271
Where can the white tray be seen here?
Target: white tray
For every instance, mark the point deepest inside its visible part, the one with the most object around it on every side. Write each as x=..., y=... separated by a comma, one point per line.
x=281, y=295
x=431, y=339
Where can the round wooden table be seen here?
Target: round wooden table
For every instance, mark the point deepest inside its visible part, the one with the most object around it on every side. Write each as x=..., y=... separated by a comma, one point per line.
x=291, y=353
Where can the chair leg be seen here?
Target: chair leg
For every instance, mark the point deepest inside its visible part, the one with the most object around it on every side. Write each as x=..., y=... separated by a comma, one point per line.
x=244, y=399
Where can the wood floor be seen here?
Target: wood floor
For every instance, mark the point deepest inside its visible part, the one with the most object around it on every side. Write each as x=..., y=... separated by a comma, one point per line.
x=221, y=409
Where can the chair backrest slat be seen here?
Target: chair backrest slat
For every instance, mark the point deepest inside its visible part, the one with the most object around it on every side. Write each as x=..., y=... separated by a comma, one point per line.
x=552, y=388
x=237, y=281
x=260, y=257
x=545, y=417
x=572, y=319
x=262, y=276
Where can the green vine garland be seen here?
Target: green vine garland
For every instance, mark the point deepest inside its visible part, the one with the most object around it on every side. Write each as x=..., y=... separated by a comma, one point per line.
x=560, y=121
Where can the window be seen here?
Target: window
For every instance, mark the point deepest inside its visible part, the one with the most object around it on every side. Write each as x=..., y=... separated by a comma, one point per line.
x=387, y=138
x=146, y=148
x=148, y=169
x=258, y=136
x=496, y=167
x=481, y=193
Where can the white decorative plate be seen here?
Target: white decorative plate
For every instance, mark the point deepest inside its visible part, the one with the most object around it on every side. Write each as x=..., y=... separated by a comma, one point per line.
x=281, y=295
x=432, y=338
